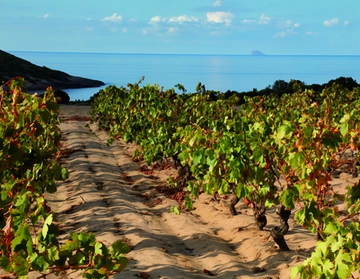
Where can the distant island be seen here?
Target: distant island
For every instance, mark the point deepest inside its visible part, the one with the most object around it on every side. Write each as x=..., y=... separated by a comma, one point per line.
x=39, y=78
x=257, y=53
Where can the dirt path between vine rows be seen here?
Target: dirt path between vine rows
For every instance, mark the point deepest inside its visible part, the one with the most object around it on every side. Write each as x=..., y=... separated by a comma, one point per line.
x=108, y=194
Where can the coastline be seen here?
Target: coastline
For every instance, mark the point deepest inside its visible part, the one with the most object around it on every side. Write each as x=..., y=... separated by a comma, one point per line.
x=40, y=78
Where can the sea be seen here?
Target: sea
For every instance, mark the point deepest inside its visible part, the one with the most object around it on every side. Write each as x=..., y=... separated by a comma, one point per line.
x=216, y=72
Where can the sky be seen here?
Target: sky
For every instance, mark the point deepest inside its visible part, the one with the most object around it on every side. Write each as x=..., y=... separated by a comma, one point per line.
x=274, y=27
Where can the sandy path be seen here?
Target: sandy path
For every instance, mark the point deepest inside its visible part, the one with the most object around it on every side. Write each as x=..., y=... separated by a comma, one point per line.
x=108, y=195
x=103, y=196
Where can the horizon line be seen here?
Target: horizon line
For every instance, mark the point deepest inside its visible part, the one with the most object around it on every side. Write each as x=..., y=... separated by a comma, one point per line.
x=154, y=53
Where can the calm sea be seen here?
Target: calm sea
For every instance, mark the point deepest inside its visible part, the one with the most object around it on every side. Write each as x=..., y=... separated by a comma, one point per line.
x=217, y=72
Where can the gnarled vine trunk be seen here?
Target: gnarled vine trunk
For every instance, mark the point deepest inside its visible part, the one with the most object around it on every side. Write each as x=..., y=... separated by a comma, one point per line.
x=278, y=232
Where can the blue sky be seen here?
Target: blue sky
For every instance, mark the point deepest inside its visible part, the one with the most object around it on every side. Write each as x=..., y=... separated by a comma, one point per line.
x=186, y=26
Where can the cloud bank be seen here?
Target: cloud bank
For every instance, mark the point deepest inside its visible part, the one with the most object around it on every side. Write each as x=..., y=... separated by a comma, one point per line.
x=332, y=22
x=220, y=17
x=114, y=18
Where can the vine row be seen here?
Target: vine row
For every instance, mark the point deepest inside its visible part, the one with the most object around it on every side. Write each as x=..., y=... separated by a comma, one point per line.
x=272, y=151
x=29, y=144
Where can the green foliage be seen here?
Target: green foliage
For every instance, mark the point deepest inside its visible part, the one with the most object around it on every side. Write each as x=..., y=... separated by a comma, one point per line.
x=336, y=257
x=29, y=143
x=277, y=149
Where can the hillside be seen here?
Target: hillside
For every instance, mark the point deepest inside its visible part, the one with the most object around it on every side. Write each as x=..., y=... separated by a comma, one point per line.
x=39, y=78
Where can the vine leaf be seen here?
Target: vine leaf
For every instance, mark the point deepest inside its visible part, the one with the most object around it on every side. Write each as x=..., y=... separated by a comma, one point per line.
x=98, y=248
x=342, y=264
x=47, y=223
x=119, y=249
x=344, y=128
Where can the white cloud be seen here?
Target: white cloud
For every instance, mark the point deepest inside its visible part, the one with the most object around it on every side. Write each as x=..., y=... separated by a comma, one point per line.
x=331, y=22
x=88, y=19
x=220, y=17
x=263, y=19
x=283, y=34
x=155, y=19
x=132, y=20
x=175, y=19
x=346, y=23
x=89, y=28
x=217, y=3
x=280, y=35
x=290, y=24
x=114, y=18
x=45, y=15
x=144, y=31
x=249, y=21
x=124, y=30
x=183, y=18
x=310, y=33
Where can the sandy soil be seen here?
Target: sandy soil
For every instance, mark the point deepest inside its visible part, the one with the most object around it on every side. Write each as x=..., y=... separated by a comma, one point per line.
x=108, y=194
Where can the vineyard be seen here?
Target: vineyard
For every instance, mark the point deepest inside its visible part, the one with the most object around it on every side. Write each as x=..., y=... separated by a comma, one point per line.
x=29, y=142
x=273, y=159
x=270, y=152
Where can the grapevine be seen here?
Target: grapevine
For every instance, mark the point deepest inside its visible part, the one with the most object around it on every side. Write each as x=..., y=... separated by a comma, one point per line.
x=274, y=151
x=29, y=143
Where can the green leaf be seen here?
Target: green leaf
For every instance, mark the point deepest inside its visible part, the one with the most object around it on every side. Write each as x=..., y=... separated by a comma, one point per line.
x=224, y=187
x=45, y=228
x=297, y=159
x=21, y=121
x=175, y=209
x=241, y=190
x=52, y=106
x=119, y=249
x=183, y=156
x=269, y=203
x=344, y=128
x=330, y=228
x=121, y=264
x=323, y=247
x=102, y=271
x=4, y=262
x=342, y=269
x=21, y=199
x=284, y=131
x=258, y=155
x=98, y=248
x=16, y=241
x=20, y=266
x=78, y=258
x=53, y=253
x=289, y=196
x=281, y=132
x=64, y=174
x=327, y=267
x=295, y=271
x=18, y=81
x=189, y=203
x=198, y=155
x=51, y=187
x=211, y=160
x=336, y=245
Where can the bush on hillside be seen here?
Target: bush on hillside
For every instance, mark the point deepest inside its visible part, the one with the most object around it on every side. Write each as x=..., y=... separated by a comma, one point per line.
x=62, y=97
